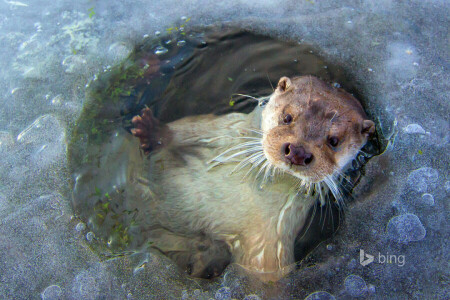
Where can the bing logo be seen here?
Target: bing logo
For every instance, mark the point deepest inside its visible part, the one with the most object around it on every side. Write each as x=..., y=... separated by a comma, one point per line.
x=365, y=259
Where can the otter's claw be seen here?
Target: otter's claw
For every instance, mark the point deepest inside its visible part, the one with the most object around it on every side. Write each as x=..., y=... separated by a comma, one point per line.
x=147, y=129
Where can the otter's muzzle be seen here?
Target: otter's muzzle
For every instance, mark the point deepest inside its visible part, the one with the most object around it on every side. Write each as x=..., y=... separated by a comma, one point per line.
x=297, y=155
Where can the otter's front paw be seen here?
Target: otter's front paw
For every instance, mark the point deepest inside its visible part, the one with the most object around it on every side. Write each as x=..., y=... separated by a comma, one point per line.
x=149, y=131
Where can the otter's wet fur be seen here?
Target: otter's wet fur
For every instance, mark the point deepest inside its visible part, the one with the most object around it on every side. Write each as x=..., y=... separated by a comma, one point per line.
x=237, y=188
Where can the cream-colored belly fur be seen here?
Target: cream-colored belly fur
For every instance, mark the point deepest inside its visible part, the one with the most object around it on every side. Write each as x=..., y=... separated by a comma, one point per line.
x=188, y=196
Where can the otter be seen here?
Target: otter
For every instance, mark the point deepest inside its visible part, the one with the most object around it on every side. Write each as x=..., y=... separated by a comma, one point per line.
x=238, y=188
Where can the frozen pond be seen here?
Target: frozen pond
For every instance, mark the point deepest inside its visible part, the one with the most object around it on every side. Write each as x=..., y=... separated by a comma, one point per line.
x=395, y=54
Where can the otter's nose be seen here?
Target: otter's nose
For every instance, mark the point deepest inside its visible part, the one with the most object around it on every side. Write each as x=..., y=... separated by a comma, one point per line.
x=297, y=154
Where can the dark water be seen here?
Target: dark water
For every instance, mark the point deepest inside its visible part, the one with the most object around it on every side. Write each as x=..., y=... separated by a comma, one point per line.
x=179, y=75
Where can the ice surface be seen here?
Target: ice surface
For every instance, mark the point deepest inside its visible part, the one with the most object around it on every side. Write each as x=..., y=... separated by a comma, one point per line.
x=414, y=129
x=423, y=179
x=397, y=53
x=406, y=228
x=355, y=286
x=52, y=292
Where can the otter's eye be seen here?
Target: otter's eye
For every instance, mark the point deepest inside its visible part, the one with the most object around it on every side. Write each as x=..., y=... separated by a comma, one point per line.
x=333, y=141
x=287, y=119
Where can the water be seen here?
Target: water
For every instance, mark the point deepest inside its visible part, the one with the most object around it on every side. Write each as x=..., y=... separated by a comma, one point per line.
x=209, y=72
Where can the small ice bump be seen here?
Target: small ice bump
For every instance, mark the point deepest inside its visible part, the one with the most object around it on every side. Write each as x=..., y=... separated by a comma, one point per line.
x=85, y=286
x=224, y=293
x=321, y=295
x=74, y=63
x=57, y=100
x=423, y=179
x=352, y=264
x=90, y=236
x=428, y=199
x=252, y=297
x=38, y=26
x=414, y=129
x=80, y=227
x=52, y=292
x=405, y=228
x=160, y=50
x=355, y=286
x=119, y=51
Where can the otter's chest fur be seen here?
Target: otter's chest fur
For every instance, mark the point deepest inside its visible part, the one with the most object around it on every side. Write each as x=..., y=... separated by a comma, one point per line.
x=190, y=197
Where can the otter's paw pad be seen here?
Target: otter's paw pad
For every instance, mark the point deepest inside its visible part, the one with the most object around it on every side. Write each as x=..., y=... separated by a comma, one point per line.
x=147, y=130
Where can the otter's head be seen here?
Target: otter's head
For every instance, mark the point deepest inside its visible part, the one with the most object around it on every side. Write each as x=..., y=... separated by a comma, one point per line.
x=312, y=130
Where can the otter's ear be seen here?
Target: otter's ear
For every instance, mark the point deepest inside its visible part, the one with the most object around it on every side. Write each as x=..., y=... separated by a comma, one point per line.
x=368, y=127
x=284, y=84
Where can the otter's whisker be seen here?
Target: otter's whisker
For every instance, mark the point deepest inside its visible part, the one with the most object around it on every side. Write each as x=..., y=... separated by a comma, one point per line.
x=255, y=146
x=319, y=189
x=337, y=175
x=341, y=175
x=261, y=100
x=248, y=96
x=264, y=166
x=247, y=151
x=325, y=214
x=275, y=171
x=330, y=211
x=243, y=145
x=301, y=187
x=251, y=159
x=266, y=173
x=254, y=166
x=268, y=78
x=310, y=221
x=333, y=188
x=248, y=137
x=255, y=131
